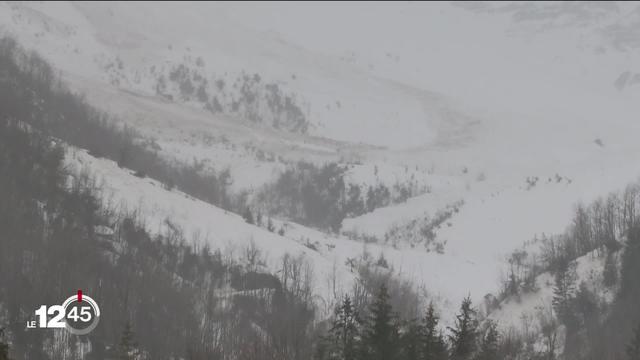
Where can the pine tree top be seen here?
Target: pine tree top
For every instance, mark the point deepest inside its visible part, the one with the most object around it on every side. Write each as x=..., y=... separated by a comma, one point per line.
x=633, y=349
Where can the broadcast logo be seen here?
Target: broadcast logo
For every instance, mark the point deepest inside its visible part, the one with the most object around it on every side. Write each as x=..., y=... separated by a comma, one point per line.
x=79, y=314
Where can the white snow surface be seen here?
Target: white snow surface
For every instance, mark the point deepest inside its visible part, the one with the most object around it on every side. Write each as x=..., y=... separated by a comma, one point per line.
x=203, y=223
x=470, y=100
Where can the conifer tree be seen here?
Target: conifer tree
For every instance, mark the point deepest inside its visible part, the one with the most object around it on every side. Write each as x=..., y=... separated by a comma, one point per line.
x=610, y=272
x=411, y=341
x=344, y=333
x=248, y=216
x=633, y=349
x=564, y=292
x=381, y=332
x=630, y=269
x=489, y=343
x=371, y=199
x=514, y=286
x=127, y=349
x=4, y=348
x=585, y=304
x=434, y=346
x=463, y=335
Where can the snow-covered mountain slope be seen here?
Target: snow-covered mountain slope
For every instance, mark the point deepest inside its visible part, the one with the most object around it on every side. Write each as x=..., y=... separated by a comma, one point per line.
x=164, y=211
x=511, y=113
x=530, y=312
x=131, y=46
x=333, y=259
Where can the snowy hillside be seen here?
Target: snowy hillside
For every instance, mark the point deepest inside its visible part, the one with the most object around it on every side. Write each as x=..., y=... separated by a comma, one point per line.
x=500, y=118
x=118, y=46
x=533, y=315
x=334, y=259
x=589, y=269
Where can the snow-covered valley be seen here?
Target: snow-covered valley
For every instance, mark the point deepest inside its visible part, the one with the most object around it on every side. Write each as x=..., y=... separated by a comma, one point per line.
x=502, y=126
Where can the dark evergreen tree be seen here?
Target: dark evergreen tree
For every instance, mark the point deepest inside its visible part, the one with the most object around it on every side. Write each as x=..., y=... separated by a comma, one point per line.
x=489, y=343
x=513, y=286
x=344, y=333
x=411, y=341
x=4, y=347
x=381, y=332
x=585, y=304
x=629, y=295
x=463, y=335
x=633, y=349
x=564, y=293
x=433, y=343
x=630, y=269
x=354, y=205
x=128, y=348
x=371, y=199
x=610, y=272
x=248, y=216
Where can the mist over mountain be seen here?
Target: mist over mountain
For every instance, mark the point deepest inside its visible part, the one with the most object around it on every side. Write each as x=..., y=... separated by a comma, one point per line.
x=336, y=159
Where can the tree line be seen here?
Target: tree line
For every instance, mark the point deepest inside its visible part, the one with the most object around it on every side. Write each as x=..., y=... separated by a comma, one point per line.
x=380, y=334
x=320, y=196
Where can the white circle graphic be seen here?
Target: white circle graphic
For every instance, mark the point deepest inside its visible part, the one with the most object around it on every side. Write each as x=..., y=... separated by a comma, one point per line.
x=94, y=322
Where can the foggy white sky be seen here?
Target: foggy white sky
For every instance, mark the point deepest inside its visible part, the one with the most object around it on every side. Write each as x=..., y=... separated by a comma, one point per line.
x=427, y=44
